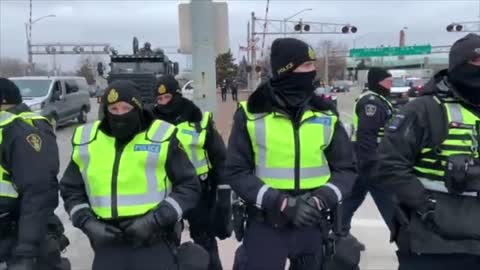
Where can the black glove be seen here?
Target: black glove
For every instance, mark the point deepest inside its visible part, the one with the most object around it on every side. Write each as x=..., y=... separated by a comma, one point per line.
x=427, y=213
x=101, y=233
x=22, y=264
x=141, y=229
x=301, y=213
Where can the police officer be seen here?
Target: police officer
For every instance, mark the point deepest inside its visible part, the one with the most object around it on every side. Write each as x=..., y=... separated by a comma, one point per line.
x=234, y=90
x=28, y=188
x=206, y=149
x=372, y=111
x=289, y=158
x=55, y=241
x=128, y=183
x=429, y=159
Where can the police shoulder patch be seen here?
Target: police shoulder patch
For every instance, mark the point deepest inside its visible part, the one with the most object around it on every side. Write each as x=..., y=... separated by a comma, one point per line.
x=370, y=110
x=35, y=141
x=396, y=122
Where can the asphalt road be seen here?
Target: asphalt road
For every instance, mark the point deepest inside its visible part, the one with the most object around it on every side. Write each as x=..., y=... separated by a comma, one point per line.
x=367, y=224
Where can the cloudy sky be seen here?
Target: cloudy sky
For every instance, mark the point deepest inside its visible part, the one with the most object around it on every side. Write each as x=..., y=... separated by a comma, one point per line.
x=116, y=22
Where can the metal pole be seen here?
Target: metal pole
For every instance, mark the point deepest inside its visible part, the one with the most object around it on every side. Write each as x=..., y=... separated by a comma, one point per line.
x=203, y=54
x=254, y=55
x=327, y=52
x=249, y=74
x=29, y=41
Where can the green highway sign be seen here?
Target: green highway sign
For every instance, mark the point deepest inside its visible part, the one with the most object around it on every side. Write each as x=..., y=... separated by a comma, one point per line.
x=391, y=51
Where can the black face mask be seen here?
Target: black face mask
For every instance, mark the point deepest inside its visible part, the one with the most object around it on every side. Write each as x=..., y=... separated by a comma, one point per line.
x=172, y=109
x=125, y=126
x=466, y=80
x=295, y=89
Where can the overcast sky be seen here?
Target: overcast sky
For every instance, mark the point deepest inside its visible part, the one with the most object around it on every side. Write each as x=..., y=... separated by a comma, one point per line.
x=116, y=22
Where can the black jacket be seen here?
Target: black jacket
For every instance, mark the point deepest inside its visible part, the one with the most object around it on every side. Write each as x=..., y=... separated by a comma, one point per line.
x=180, y=172
x=214, y=144
x=373, y=113
x=240, y=158
x=33, y=168
x=421, y=123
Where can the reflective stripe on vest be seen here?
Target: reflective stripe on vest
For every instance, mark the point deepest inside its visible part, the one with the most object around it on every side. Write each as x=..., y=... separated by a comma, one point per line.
x=29, y=117
x=7, y=188
x=141, y=177
x=432, y=162
x=194, y=143
x=274, y=148
x=381, y=132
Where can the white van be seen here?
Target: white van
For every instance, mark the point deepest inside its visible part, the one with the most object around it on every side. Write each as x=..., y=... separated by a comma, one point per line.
x=60, y=99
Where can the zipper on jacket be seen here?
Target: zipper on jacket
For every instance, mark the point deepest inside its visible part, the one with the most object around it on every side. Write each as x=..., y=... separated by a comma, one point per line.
x=296, y=127
x=116, y=164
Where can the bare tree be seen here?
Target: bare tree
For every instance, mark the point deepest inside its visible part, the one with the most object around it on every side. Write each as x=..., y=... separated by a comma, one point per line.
x=86, y=68
x=11, y=67
x=337, y=62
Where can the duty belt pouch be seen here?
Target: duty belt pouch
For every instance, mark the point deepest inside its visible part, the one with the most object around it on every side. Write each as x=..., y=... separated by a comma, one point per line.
x=458, y=217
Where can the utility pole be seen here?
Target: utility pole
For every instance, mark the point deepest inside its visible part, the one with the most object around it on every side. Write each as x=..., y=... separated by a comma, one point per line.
x=249, y=74
x=327, y=52
x=253, y=56
x=30, y=68
x=203, y=54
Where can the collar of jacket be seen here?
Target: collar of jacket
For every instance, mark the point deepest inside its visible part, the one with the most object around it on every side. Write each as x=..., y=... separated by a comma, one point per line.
x=191, y=112
x=262, y=101
x=20, y=108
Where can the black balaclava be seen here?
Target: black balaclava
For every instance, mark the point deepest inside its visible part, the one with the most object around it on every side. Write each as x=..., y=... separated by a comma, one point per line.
x=9, y=92
x=293, y=88
x=464, y=76
x=125, y=126
x=375, y=76
x=169, y=85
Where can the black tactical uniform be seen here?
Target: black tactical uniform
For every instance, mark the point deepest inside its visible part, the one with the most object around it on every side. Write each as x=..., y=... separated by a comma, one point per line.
x=270, y=171
x=212, y=216
x=28, y=188
x=137, y=229
x=429, y=159
x=371, y=112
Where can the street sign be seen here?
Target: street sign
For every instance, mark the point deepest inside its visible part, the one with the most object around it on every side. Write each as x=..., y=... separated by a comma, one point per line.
x=391, y=51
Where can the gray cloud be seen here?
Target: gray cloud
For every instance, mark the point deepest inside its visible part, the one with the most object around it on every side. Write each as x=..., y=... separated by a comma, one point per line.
x=116, y=22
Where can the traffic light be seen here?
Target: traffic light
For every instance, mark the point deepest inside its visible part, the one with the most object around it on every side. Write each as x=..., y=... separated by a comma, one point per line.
x=454, y=27
x=258, y=68
x=78, y=49
x=50, y=49
x=349, y=29
x=299, y=27
x=249, y=68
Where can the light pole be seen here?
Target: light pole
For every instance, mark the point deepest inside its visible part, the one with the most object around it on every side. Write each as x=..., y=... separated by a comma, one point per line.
x=285, y=20
x=28, y=32
x=359, y=37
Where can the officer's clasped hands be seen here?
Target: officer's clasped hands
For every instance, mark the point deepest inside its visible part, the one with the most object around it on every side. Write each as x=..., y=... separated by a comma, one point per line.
x=302, y=211
x=141, y=229
x=101, y=233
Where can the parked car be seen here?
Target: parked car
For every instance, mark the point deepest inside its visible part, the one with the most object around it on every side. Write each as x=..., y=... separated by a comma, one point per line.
x=325, y=92
x=341, y=86
x=399, y=92
x=416, y=86
x=60, y=99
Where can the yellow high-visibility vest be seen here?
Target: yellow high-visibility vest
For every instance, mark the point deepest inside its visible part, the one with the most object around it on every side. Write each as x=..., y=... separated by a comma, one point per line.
x=123, y=184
